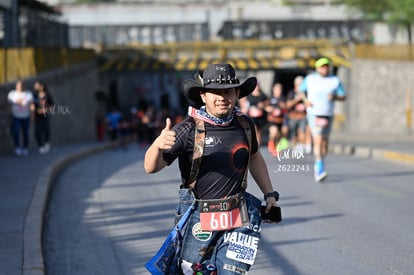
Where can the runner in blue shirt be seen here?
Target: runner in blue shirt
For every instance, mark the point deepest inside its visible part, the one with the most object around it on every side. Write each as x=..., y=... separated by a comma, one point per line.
x=322, y=89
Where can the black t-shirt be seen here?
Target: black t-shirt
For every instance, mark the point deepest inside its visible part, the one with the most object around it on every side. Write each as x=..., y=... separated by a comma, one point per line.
x=299, y=106
x=275, y=103
x=254, y=100
x=253, y=111
x=42, y=103
x=224, y=160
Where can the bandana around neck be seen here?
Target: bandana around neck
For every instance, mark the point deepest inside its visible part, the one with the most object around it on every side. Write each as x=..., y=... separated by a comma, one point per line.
x=203, y=115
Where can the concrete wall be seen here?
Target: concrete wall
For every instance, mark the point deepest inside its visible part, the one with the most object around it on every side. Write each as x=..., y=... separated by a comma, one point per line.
x=72, y=118
x=378, y=97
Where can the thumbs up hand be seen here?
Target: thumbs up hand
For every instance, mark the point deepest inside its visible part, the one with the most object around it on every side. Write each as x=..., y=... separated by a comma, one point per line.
x=166, y=139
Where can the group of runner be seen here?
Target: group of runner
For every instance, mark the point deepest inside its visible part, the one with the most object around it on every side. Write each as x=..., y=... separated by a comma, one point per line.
x=303, y=116
x=282, y=116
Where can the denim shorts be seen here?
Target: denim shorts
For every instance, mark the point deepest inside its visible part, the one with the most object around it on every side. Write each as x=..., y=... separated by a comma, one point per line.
x=213, y=248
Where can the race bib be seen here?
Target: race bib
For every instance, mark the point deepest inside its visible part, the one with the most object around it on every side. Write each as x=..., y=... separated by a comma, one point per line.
x=255, y=112
x=276, y=112
x=223, y=214
x=242, y=247
x=300, y=107
x=322, y=122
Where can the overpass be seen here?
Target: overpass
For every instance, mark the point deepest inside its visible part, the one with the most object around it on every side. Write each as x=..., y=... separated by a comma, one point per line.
x=245, y=55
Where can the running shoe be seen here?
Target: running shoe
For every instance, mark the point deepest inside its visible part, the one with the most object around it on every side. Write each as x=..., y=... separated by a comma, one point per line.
x=18, y=151
x=283, y=144
x=46, y=148
x=271, y=146
x=320, y=173
x=300, y=148
x=321, y=176
x=308, y=149
x=25, y=152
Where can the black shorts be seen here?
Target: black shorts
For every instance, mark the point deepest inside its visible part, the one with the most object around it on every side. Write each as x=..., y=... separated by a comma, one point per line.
x=260, y=122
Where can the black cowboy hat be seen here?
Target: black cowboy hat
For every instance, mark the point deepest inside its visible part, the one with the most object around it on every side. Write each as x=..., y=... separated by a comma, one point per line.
x=217, y=77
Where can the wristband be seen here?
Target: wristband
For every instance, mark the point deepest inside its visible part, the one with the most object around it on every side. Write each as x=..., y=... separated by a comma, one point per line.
x=274, y=194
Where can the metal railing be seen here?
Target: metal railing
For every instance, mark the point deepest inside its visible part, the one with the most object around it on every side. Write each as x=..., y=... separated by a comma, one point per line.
x=247, y=54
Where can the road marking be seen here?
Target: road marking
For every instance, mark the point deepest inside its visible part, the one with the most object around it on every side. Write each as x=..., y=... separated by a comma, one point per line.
x=398, y=156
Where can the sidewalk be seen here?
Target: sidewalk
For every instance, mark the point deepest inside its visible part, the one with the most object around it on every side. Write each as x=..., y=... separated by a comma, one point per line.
x=25, y=183
x=390, y=148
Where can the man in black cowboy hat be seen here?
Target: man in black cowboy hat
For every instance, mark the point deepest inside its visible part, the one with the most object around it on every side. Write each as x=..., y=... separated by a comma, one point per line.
x=216, y=145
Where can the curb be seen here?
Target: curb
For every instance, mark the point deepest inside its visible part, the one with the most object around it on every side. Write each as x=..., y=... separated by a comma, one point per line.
x=33, y=263
x=373, y=153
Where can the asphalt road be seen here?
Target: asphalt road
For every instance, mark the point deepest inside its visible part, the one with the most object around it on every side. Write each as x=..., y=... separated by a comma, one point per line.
x=106, y=216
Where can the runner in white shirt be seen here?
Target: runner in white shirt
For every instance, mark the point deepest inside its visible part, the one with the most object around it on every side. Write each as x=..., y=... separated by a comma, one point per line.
x=21, y=101
x=322, y=90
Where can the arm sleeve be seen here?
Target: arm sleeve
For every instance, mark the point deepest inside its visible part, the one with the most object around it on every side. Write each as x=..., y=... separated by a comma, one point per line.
x=340, y=91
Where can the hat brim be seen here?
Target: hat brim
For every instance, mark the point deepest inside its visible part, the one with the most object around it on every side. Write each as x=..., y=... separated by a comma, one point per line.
x=192, y=88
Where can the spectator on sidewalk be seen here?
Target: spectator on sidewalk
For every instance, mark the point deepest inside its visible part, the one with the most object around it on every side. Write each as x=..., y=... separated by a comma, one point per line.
x=21, y=101
x=322, y=90
x=42, y=104
x=113, y=120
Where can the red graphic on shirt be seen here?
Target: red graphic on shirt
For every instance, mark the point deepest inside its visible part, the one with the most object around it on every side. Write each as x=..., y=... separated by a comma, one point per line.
x=239, y=156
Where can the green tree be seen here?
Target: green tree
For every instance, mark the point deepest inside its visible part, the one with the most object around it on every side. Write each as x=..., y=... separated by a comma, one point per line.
x=396, y=12
x=374, y=10
x=402, y=14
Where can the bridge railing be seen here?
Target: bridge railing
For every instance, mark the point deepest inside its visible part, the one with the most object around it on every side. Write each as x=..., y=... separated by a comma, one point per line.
x=25, y=62
x=247, y=54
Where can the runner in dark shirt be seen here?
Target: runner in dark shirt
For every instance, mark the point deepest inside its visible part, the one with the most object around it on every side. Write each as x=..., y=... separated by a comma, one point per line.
x=276, y=116
x=223, y=239
x=297, y=117
x=254, y=106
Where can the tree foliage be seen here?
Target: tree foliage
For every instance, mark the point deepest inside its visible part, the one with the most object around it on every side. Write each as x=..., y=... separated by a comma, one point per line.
x=370, y=9
x=396, y=12
x=402, y=14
